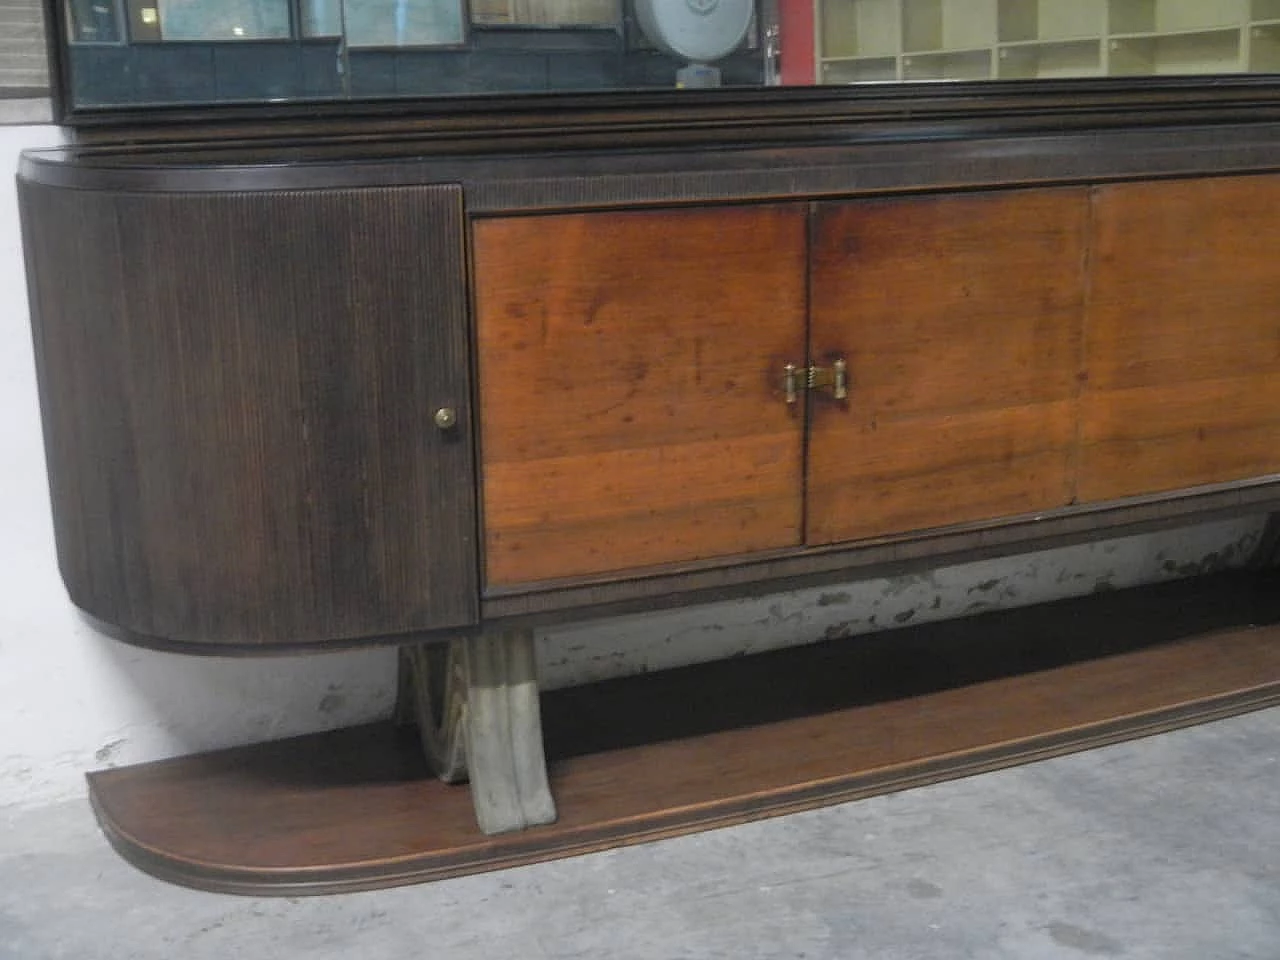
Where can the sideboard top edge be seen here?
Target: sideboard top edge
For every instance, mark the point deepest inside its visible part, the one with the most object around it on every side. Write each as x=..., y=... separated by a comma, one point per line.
x=613, y=177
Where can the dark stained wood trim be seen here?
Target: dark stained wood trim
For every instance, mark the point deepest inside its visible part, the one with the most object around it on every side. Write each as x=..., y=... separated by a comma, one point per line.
x=787, y=731
x=640, y=590
x=603, y=177
x=699, y=117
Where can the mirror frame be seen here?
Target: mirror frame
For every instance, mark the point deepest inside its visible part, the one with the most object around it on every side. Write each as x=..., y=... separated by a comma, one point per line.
x=656, y=118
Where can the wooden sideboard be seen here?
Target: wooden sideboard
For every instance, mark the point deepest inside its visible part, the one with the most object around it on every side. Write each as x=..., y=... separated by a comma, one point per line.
x=292, y=418
x=303, y=399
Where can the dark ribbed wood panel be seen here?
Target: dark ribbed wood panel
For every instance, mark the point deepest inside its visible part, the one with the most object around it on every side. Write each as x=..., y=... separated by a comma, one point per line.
x=238, y=393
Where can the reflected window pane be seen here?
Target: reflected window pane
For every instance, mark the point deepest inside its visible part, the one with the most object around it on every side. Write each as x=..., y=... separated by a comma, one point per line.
x=552, y=13
x=873, y=41
x=394, y=23
x=321, y=18
x=94, y=21
x=224, y=19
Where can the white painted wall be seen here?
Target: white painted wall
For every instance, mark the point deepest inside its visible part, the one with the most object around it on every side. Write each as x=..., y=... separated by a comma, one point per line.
x=72, y=700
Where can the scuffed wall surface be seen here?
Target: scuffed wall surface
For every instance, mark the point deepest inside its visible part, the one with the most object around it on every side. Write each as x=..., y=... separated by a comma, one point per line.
x=653, y=641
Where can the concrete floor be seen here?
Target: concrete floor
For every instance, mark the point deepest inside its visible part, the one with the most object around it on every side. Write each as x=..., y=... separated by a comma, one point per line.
x=1163, y=848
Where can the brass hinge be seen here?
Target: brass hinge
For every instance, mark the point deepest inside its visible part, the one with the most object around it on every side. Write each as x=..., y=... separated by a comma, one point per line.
x=835, y=377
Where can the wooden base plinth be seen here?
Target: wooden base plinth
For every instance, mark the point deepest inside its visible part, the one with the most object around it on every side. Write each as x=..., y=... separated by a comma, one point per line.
x=650, y=757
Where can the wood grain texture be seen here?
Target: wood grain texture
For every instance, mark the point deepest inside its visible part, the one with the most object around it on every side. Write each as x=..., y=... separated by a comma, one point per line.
x=883, y=557
x=1183, y=337
x=960, y=317
x=786, y=731
x=237, y=393
x=630, y=383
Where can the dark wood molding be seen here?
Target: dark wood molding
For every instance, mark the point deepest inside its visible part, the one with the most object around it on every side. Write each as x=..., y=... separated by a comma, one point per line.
x=604, y=177
x=655, y=118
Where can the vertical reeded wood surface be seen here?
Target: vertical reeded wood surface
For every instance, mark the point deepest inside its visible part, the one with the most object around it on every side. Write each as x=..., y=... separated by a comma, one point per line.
x=237, y=393
x=960, y=317
x=630, y=368
x=1183, y=337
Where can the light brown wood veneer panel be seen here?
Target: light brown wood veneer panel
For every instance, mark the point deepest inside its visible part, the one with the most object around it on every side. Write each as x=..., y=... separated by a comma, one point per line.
x=930, y=472
x=1183, y=337
x=961, y=320
x=1160, y=438
x=629, y=367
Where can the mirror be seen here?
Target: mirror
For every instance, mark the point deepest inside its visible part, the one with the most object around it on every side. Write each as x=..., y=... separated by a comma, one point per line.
x=135, y=53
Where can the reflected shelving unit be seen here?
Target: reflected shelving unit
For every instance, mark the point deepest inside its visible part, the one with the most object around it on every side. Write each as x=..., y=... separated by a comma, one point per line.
x=864, y=41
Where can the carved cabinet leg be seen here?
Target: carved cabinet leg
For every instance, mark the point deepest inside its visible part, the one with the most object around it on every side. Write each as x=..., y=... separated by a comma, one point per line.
x=434, y=698
x=475, y=703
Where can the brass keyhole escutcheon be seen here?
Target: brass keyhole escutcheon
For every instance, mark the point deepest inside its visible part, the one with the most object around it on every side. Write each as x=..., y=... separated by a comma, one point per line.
x=446, y=418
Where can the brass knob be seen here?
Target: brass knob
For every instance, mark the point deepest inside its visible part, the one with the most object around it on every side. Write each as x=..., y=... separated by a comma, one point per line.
x=446, y=418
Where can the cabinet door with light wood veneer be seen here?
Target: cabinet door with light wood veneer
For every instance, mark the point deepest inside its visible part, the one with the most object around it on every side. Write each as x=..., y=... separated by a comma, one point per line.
x=1183, y=337
x=629, y=380
x=960, y=318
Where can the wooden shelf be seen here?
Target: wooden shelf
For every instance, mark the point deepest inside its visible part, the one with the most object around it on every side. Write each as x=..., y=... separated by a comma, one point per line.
x=860, y=70
x=1175, y=16
x=946, y=39
x=871, y=28
x=649, y=757
x=1043, y=20
x=1062, y=58
x=948, y=65
x=1179, y=53
x=936, y=25
x=1264, y=48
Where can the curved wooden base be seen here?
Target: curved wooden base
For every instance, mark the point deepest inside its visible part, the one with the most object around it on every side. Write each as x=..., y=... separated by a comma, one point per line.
x=650, y=757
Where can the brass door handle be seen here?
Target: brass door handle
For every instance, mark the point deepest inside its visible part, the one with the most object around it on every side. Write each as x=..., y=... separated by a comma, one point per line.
x=791, y=383
x=834, y=377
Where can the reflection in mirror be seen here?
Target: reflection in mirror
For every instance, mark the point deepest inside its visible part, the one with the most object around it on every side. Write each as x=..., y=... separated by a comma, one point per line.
x=94, y=21
x=197, y=20
x=895, y=40
x=385, y=23
x=143, y=52
x=541, y=13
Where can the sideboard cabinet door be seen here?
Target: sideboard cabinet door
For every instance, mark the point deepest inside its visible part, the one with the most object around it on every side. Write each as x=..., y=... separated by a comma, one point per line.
x=239, y=392
x=1183, y=337
x=960, y=319
x=630, y=376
